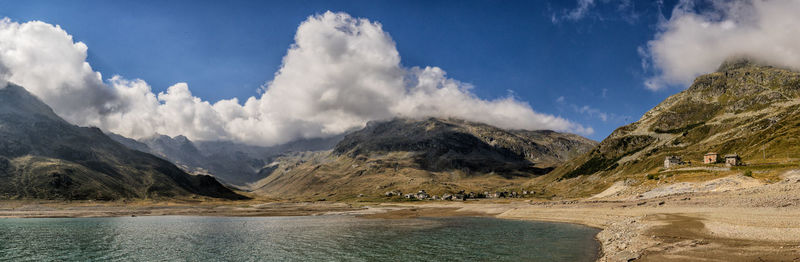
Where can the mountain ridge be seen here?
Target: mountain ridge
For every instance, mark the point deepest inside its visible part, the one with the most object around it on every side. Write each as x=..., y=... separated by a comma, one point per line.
x=233, y=163
x=44, y=157
x=438, y=155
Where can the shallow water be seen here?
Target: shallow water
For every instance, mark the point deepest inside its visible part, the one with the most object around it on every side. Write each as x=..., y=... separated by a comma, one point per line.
x=311, y=238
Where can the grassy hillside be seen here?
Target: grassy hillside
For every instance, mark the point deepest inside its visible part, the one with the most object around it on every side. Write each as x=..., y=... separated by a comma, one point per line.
x=744, y=108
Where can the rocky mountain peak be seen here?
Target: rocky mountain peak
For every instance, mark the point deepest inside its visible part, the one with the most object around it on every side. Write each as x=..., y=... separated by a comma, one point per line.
x=739, y=62
x=16, y=100
x=455, y=141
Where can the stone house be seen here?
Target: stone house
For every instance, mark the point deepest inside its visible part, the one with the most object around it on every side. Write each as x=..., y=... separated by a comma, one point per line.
x=393, y=193
x=422, y=195
x=671, y=161
x=710, y=158
x=732, y=160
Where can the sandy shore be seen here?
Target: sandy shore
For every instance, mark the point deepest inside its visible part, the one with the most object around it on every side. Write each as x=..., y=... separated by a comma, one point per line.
x=648, y=232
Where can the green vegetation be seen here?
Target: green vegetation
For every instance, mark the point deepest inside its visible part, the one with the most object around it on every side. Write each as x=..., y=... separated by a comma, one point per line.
x=739, y=111
x=592, y=166
x=678, y=130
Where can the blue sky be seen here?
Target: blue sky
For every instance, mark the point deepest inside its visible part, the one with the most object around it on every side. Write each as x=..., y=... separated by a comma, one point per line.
x=586, y=70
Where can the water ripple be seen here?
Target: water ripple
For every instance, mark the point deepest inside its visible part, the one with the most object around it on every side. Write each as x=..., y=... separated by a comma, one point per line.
x=320, y=238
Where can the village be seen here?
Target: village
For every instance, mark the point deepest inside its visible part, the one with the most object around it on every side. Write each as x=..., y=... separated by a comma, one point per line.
x=709, y=158
x=460, y=196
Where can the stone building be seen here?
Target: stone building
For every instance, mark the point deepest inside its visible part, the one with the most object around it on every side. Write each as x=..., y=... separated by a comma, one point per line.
x=710, y=158
x=672, y=161
x=732, y=160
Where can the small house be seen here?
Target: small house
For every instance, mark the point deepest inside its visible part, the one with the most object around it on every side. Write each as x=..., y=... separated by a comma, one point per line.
x=733, y=160
x=422, y=195
x=671, y=161
x=710, y=158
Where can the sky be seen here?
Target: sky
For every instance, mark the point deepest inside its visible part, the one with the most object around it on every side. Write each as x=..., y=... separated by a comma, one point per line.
x=268, y=72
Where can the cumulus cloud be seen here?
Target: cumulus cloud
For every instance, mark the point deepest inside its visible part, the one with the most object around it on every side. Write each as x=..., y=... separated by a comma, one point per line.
x=340, y=73
x=53, y=67
x=698, y=38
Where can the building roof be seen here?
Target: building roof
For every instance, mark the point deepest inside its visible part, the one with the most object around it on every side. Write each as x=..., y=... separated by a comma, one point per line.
x=731, y=155
x=711, y=153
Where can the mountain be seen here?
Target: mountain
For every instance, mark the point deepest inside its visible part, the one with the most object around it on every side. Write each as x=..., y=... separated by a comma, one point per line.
x=438, y=155
x=744, y=108
x=44, y=157
x=232, y=163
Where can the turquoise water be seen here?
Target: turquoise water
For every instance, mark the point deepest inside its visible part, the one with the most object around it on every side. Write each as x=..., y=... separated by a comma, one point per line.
x=312, y=238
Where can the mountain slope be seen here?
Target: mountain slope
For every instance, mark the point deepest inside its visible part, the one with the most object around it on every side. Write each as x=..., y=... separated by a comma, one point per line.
x=42, y=156
x=438, y=155
x=744, y=108
x=232, y=163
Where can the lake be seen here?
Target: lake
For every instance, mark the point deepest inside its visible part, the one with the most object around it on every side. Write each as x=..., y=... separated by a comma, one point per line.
x=309, y=238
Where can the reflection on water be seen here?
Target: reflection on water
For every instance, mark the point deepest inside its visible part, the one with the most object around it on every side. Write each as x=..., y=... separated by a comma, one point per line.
x=312, y=238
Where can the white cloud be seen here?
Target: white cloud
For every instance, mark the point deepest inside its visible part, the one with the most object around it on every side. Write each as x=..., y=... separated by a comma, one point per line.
x=578, y=13
x=589, y=111
x=623, y=9
x=53, y=67
x=694, y=42
x=340, y=73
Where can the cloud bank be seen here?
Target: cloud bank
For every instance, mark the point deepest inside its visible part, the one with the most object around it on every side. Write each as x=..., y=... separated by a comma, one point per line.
x=340, y=73
x=699, y=36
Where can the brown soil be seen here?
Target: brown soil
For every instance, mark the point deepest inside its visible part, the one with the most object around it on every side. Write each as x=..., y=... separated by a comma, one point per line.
x=691, y=241
x=231, y=208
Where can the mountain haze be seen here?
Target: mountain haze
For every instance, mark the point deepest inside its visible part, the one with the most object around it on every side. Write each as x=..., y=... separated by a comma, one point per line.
x=232, y=163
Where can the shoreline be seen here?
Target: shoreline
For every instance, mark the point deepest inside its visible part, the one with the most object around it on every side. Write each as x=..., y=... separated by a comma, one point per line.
x=671, y=228
x=662, y=233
